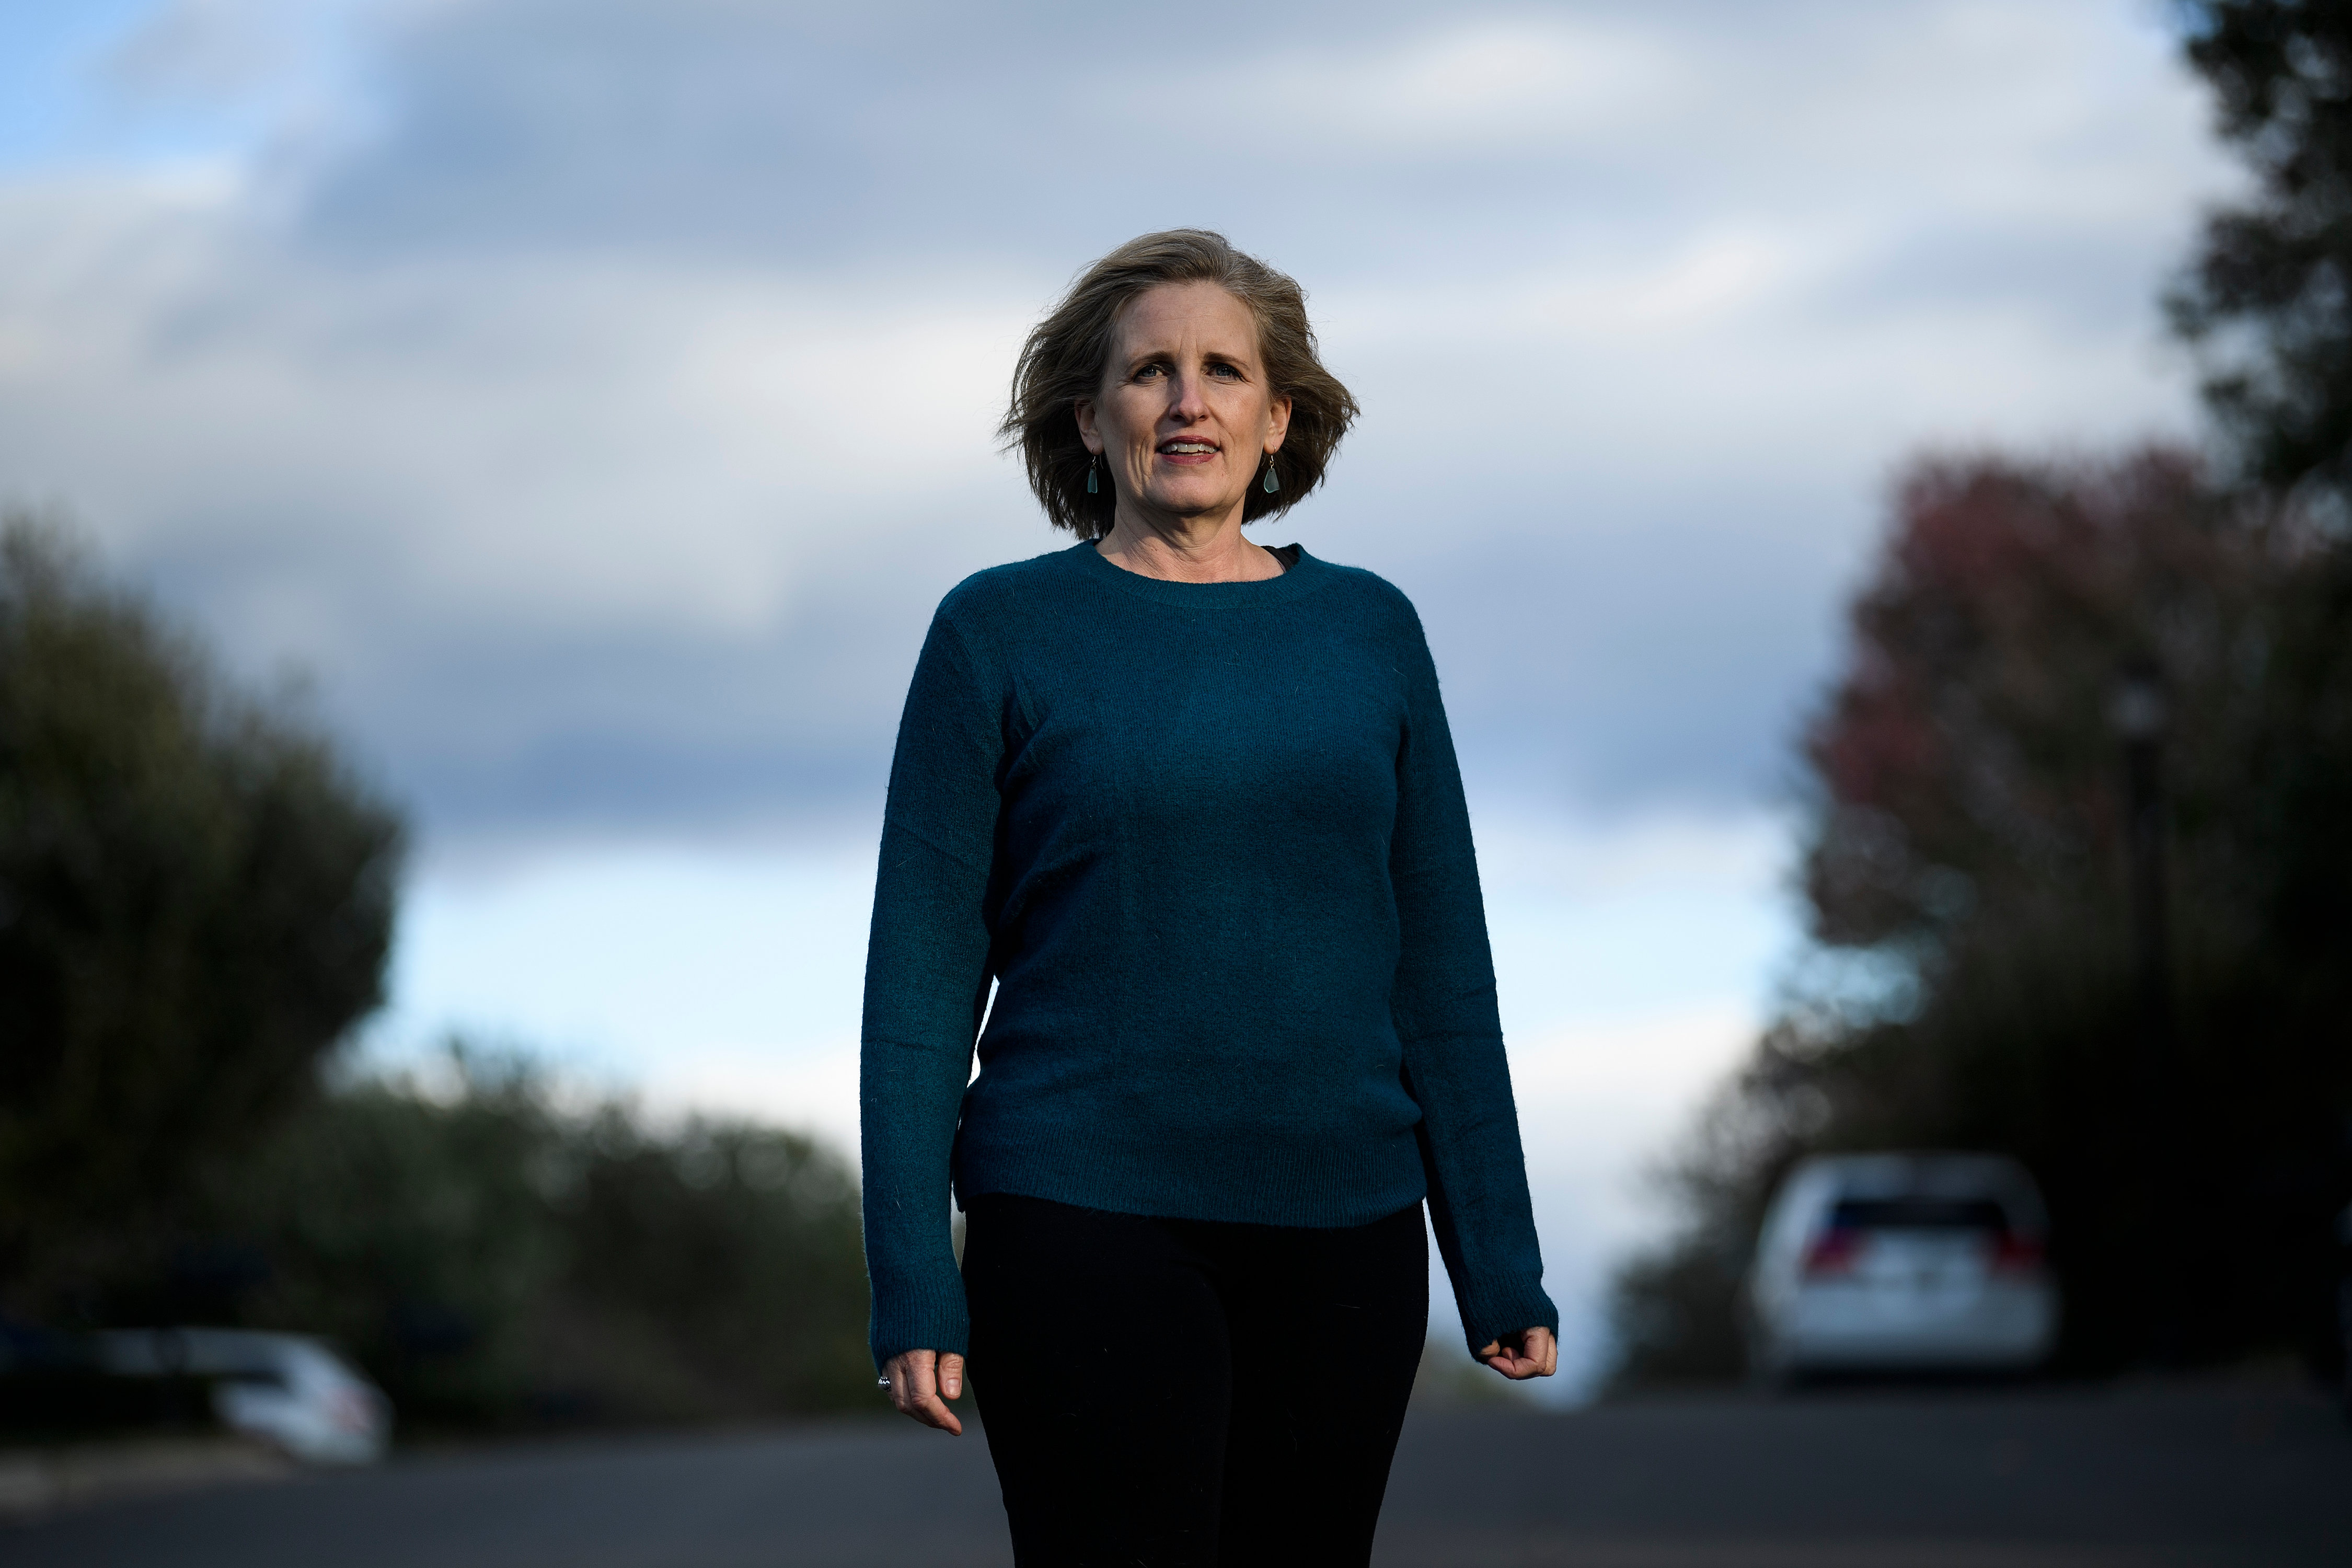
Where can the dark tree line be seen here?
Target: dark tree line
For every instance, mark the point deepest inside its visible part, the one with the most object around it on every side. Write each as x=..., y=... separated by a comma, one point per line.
x=495, y=1258
x=196, y=903
x=2268, y=294
x=1973, y=979
x=1976, y=984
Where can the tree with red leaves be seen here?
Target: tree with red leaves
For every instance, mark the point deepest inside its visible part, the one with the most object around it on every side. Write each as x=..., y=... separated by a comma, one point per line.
x=1972, y=982
x=1965, y=761
x=1967, y=858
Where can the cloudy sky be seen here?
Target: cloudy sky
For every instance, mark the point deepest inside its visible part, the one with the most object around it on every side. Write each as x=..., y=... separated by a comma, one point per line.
x=593, y=397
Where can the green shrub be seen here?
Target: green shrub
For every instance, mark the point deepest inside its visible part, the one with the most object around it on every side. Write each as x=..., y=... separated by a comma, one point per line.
x=495, y=1258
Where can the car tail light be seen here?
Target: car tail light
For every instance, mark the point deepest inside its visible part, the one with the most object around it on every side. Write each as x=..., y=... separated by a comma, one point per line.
x=1833, y=1252
x=2015, y=1254
x=351, y=1410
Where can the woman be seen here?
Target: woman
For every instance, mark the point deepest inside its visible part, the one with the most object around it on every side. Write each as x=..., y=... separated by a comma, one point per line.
x=1192, y=806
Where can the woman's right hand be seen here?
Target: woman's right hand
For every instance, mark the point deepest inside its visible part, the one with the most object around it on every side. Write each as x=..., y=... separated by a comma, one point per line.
x=921, y=1381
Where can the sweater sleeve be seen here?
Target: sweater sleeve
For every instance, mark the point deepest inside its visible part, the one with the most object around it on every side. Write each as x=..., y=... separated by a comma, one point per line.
x=1446, y=1019
x=926, y=978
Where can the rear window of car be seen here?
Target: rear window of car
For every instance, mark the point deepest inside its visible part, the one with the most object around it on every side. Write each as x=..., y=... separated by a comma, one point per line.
x=1918, y=1213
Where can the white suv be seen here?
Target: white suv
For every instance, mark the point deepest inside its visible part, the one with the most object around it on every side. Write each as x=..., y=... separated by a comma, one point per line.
x=1902, y=1262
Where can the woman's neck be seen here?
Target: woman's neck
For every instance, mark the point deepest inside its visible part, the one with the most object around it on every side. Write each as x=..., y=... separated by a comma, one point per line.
x=1186, y=549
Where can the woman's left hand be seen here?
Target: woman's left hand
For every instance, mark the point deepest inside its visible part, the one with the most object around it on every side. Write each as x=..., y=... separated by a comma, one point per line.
x=1530, y=1352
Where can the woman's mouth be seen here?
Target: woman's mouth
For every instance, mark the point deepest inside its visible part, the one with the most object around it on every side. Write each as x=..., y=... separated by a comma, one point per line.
x=1186, y=449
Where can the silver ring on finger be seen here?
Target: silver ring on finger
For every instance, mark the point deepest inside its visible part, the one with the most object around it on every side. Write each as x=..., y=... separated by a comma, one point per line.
x=882, y=1382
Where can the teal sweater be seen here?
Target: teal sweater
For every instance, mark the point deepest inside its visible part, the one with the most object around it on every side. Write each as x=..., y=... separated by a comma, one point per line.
x=1208, y=840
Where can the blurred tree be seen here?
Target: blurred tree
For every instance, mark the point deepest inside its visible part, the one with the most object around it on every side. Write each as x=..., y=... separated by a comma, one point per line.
x=1965, y=848
x=2270, y=292
x=494, y=1257
x=1966, y=857
x=730, y=1258
x=418, y=1230
x=195, y=901
x=2269, y=296
x=1674, y=1311
x=196, y=905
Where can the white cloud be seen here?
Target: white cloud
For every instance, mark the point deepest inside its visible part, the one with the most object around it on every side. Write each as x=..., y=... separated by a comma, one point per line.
x=591, y=442
x=561, y=379
x=1480, y=84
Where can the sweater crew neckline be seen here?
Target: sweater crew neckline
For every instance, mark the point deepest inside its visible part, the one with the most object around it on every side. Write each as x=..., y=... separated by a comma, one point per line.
x=1303, y=576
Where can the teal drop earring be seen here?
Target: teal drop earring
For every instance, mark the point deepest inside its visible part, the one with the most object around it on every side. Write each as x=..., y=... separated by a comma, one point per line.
x=1092, y=488
x=1271, y=483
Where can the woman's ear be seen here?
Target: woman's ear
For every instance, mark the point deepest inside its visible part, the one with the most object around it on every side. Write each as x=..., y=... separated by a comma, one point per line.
x=1082, y=411
x=1277, y=424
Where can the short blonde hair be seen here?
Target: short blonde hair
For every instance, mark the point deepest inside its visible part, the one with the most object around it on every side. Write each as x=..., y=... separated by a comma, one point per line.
x=1068, y=352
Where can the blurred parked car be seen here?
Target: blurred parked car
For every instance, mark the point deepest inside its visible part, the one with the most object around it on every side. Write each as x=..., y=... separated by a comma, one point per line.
x=285, y=1390
x=1902, y=1262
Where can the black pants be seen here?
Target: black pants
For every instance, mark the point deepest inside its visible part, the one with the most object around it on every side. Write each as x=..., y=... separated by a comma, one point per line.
x=1178, y=1392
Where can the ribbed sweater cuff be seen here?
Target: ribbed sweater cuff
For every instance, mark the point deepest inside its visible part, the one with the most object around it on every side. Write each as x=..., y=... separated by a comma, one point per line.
x=1507, y=1309
x=925, y=1314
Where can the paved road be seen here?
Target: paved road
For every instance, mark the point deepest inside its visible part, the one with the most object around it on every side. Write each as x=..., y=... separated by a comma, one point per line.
x=2070, y=1479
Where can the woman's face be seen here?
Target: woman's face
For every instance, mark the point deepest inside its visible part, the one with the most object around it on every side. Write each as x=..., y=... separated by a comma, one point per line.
x=1184, y=412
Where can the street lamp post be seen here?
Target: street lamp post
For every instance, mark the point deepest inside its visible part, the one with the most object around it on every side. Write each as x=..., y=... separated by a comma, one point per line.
x=2142, y=712
x=2142, y=715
